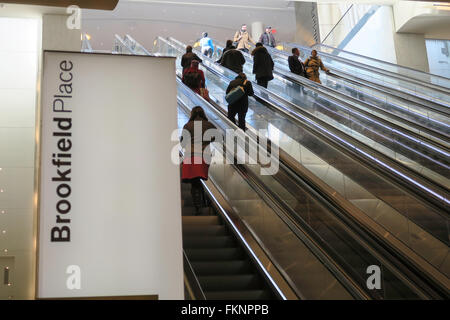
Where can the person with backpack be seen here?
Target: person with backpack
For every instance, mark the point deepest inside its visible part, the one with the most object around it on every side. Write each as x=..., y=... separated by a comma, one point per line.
x=193, y=77
x=262, y=65
x=312, y=66
x=237, y=95
x=197, y=156
x=243, y=39
x=206, y=44
x=267, y=38
x=187, y=58
x=234, y=60
x=295, y=64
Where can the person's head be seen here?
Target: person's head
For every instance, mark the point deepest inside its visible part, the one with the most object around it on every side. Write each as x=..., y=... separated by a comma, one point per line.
x=242, y=76
x=244, y=27
x=194, y=64
x=204, y=34
x=295, y=52
x=259, y=44
x=268, y=29
x=188, y=49
x=229, y=43
x=197, y=113
x=314, y=53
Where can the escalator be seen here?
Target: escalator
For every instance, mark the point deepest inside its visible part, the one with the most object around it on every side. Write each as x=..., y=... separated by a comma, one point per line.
x=427, y=162
x=342, y=245
x=422, y=120
x=226, y=247
x=437, y=95
x=374, y=186
x=218, y=259
x=287, y=215
x=389, y=67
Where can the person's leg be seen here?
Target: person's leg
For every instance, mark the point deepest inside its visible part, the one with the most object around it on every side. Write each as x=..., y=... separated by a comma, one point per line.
x=259, y=81
x=241, y=116
x=262, y=82
x=232, y=111
x=196, y=193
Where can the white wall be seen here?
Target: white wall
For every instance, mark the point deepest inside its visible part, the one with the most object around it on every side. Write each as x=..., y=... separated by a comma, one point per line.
x=439, y=56
x=376, y=39
x=19, y=55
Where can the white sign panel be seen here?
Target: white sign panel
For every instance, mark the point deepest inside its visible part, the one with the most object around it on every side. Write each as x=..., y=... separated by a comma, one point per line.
x=110, y=212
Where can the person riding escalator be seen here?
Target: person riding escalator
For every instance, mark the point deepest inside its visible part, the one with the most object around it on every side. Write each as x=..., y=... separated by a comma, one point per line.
x=197, y=156
x=262, y=65
x=312, y=65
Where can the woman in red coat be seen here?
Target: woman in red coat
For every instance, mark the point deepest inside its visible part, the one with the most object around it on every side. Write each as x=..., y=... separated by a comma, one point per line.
x=197, y=153
x=193, y=77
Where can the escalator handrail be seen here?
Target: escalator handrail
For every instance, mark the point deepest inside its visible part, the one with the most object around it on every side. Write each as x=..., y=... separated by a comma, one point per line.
x=323, y=90
x=318, y=87
x=382, y=62
x=425, y=103
x=420, y=98
x=360, y=65
x=389, y=91
x=194, y=284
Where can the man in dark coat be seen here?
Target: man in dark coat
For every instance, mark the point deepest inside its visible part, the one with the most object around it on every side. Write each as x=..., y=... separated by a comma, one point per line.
x=267, y=38
x=262, y=65
x=295, y=65
x=234, y=60
x=187, y=58
x=240, y=107
x=228, y=46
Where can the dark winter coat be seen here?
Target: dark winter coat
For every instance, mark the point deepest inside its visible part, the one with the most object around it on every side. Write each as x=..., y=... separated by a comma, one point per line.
x=223, y=53
x=248, y=88
x=187, y=58
x=296, y=66
x=234, y=60
x=262, y=64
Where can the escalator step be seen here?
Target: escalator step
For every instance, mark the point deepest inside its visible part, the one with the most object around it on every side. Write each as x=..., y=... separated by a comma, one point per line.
x=201, y=220
x=214, y=254
x=239, y=295
x=208, y=242
x=222, y=267
x=230, y=282
x=188, y=211
x=195, y=230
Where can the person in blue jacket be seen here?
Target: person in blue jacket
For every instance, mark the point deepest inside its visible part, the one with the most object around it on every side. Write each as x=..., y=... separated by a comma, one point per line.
x=206, y=45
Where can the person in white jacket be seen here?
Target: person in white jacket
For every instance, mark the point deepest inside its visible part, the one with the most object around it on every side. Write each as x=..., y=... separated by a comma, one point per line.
x=206, y=45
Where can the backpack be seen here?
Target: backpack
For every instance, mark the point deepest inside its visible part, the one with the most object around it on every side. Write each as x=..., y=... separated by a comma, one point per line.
x=236, y=94
x=192, y=79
